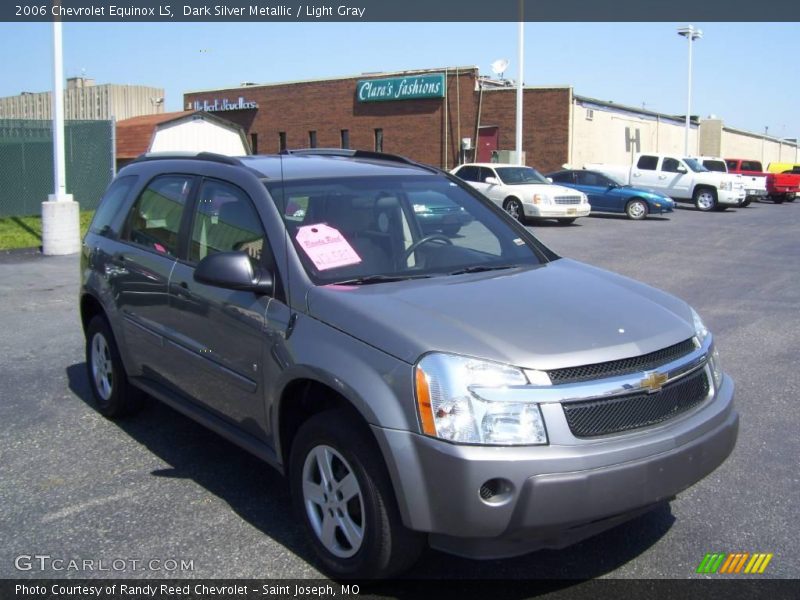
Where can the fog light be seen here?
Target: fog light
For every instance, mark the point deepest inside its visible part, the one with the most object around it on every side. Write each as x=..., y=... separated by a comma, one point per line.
x=496, y=491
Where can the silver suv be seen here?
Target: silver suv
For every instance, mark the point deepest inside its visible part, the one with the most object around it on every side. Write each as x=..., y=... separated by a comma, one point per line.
x=465, y=388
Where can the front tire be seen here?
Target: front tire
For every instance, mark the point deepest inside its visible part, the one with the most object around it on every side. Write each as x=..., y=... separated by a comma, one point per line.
x=113, y=394
x=705, y=199
x=342, y=492
x=514, y=208
x=636, y=209
x=566, y=221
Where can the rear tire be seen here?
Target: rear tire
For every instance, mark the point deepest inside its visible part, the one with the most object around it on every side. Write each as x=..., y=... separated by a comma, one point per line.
x=342, y=493
x=777, y=199
x=114, y=395
x=746, y=203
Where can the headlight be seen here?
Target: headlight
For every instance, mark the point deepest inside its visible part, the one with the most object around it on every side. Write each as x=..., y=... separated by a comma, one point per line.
x=700, y=330
x=540, y=199
x=420, y=208
x=584, y=199
x=451, y=408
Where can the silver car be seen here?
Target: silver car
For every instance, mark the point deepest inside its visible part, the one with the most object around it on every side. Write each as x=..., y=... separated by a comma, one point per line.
x=469, y=390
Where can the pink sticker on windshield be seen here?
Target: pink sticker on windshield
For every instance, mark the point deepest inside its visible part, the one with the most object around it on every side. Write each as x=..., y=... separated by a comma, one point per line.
x=326, y=247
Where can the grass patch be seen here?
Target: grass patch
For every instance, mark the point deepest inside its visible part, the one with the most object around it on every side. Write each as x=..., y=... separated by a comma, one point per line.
x=26, y=232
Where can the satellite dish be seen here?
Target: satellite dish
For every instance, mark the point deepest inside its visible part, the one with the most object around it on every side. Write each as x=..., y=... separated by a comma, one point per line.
x=499, y=66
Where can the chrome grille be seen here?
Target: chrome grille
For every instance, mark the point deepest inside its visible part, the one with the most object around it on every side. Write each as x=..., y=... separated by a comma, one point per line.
x=567, y=199
x=623, y=413
x=645, y=362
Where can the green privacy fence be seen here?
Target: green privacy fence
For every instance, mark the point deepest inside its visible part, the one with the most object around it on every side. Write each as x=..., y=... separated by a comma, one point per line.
x=26, y=163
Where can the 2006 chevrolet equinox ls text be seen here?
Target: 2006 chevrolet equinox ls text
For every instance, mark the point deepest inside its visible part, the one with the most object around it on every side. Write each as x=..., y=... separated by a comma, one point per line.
x=470, y=390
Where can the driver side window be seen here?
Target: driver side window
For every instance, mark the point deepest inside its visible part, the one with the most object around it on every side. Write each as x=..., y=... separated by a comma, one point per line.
x=671, y=165
x=225, y=221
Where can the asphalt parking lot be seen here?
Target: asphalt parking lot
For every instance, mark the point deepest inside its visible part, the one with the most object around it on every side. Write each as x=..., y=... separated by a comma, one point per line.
x=74, y=485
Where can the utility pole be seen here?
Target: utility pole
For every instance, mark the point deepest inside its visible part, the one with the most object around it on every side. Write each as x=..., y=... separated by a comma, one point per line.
x=60, y=213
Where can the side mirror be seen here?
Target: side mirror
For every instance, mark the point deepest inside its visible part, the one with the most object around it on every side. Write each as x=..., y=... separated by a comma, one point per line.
x=491, y=180
x=233, y=270
x=549, y=179
x=681, y=169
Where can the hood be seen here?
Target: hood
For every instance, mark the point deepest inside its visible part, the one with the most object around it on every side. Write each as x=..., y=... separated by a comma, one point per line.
x=559, y=314
x=546, y=188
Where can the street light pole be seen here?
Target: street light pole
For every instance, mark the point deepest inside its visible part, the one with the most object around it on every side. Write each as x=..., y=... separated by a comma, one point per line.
x=520, y=55
x=691, y=34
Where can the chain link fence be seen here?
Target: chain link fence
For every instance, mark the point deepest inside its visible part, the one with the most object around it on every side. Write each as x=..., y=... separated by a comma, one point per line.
x=26, y=163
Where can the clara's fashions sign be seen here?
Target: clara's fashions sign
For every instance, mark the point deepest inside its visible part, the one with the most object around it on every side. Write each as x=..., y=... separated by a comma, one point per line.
x=401, y=88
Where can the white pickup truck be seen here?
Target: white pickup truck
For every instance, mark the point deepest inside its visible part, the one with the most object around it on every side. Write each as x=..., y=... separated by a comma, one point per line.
x=683, y=179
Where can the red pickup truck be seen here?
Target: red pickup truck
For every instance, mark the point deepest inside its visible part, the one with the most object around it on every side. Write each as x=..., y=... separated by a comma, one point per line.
x=780, y=186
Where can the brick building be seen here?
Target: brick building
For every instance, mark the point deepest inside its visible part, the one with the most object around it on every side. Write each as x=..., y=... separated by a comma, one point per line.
x=435, y=116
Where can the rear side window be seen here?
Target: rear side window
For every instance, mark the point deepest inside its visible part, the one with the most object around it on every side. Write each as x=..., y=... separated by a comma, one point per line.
x=564, y=177
x=468, y=173
x=112, y=202
x=225, y=221
x=589, y=178
x=647, y=163
x=750, y=165
x=155, y=218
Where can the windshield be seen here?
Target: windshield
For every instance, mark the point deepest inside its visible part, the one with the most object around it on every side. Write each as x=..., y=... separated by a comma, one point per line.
x=374, y=229
x=520, y=175
x=694, y=165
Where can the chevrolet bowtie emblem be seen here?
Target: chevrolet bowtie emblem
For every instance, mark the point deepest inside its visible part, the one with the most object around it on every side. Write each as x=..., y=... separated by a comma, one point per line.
x=653, y=382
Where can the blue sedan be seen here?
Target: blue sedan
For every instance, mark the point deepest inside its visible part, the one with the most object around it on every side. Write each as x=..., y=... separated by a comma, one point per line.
x=607, y=195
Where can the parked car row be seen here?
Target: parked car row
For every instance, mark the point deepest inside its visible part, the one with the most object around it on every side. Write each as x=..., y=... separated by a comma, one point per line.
x=650, y=185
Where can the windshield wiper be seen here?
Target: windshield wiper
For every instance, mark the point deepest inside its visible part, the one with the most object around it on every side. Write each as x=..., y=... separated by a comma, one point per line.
x=369, y=279
x=481, y=269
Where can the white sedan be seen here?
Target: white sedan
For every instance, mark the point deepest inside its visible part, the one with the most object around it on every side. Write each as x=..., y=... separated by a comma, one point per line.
x=524, y=192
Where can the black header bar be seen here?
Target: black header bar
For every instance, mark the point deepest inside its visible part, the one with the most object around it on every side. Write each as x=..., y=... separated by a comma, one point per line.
x=400, y=10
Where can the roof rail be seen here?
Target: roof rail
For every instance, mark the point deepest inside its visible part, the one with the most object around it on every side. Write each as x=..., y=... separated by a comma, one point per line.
x=350, y=153
x=209, y=156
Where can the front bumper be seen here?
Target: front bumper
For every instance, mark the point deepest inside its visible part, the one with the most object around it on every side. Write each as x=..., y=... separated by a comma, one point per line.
x=556, y=494
x=730, y=198
x=556, y=211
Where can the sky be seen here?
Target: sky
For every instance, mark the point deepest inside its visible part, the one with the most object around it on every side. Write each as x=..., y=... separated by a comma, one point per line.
x=744, y=73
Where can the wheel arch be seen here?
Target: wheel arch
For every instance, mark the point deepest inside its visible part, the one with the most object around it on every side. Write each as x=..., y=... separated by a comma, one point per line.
x=90, y=307
x=701, y=187
x=304, y=397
